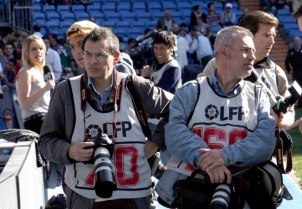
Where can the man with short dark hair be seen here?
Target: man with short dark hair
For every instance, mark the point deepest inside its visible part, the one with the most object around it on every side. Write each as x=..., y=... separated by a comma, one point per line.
x=95, y=103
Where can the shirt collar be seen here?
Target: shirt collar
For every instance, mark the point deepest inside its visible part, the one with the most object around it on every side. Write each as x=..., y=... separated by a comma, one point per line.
x=91, y=85
x=218, y=88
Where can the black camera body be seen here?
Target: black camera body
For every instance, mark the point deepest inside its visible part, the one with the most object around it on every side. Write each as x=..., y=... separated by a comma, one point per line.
x=105, y=178
x=278, y=104
x=295, y=94
x=143, y=54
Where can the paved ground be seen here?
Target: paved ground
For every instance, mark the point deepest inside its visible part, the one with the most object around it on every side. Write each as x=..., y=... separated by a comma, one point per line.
x=291, y=182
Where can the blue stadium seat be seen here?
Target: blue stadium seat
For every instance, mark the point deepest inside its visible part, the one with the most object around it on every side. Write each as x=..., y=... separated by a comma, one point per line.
x=107, y=23
x=109, y=7
x=123, y=24
x=52, y=15
x=139, y=6
x=284, y=11
x=38, y=15
x=123, y=6
x=78, y=7
x=170, y=5
x=94, y=7
x=95, y=1
x=284, y=19
x=186, y=13
x=110, y=15
x=293, y=26
x=135, y=32
x=64, y=25
x=184, y=5
x=128, y=15
x=151, y=25
x=53, y=25
x=37, y=3
x=63, y=8
x=36, y=8
x=144, y=16
x=96, y=14
x=123, y=32
x=67, y=16
x=294, y=33
x=156, y=14
x=154, y=6
x=81, y=15
x=138, y=24
x=40, y=22
x=46, y=8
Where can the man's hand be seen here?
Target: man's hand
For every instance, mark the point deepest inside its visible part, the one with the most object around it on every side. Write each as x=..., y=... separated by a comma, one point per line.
x=212, y=162
x=220, y=174
x=82, y=151
x=210, y=159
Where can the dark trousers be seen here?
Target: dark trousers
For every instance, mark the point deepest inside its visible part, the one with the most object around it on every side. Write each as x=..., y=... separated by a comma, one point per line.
x=34, y=122
x=116, y=204
x=77, y=201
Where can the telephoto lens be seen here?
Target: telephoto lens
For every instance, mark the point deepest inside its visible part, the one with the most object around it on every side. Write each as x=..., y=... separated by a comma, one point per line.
x=221, y=197
x=105, y=179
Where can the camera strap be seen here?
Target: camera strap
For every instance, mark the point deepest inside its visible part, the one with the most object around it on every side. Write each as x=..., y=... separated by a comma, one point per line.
x=283, y=146
x=141, y=114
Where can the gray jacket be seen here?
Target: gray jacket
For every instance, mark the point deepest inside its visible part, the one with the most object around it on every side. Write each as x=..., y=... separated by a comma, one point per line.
x=59, y=124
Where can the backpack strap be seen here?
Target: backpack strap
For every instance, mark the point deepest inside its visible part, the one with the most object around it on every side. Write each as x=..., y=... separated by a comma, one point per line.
x=139, y=109
x=191, y=113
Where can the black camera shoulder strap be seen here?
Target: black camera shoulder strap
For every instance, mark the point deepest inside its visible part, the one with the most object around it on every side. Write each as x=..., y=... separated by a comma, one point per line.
x=279, y=152
x=141, y=114
x=279, y=149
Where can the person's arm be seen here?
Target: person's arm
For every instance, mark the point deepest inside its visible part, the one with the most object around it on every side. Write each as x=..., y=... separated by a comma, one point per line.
x=54, y=142
x=180, y=140
x=156, y=105
x=27, y=99
x=57, y=129
x=288, y=118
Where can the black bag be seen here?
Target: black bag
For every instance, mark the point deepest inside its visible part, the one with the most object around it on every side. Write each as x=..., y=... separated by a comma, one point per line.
x=261, y=186
x=193, y=193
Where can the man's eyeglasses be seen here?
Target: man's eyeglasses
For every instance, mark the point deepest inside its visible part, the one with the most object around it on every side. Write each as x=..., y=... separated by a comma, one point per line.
x=98, y=55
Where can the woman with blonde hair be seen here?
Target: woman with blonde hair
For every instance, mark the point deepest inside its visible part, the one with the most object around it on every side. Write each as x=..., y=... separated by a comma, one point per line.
x=33, y=90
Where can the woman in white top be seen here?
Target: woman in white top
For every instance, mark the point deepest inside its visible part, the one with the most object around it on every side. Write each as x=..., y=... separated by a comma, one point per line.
x=33, y=90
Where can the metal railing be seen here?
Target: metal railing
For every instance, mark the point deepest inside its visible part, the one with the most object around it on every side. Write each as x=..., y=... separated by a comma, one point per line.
x=16, y=14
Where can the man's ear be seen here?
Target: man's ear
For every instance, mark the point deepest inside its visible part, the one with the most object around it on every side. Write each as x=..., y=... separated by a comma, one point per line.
x=225, y=51
x=116, y=57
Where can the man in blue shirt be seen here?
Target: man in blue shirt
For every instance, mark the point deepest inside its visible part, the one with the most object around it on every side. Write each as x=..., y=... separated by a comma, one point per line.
x=221, y=120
